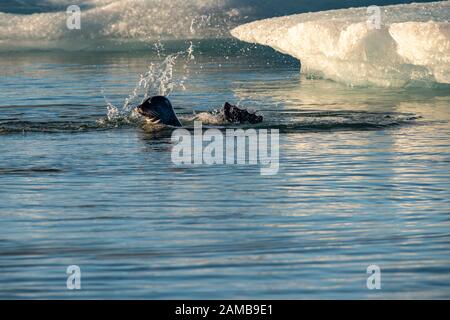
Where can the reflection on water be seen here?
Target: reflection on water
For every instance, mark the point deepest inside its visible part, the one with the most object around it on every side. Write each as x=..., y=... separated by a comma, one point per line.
x=109, y=199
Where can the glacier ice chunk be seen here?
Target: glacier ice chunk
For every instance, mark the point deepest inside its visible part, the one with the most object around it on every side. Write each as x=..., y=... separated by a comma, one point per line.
x=410, y=47
x=117, y=24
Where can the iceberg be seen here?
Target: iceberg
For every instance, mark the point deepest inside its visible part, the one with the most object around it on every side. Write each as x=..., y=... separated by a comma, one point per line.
x=118, y=24
x=409, y=46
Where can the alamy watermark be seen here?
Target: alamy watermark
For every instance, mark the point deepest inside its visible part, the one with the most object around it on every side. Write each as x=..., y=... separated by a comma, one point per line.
x=236, y=146
x=374, y=21
x=73, y=21
x=374, y=280
x=73, y=277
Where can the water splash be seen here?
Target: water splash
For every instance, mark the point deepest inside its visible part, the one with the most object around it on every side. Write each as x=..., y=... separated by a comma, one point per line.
x=159, y=79
x=214, y=117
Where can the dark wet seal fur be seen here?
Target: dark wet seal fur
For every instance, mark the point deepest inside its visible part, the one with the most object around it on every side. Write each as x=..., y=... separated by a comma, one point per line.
x=235, y=114
x=159, y=110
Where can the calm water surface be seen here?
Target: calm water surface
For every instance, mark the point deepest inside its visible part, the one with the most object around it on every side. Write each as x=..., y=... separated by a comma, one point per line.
x=364, y=179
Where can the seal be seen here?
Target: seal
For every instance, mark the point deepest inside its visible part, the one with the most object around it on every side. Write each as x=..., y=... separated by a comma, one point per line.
x=235, y=114
x=159, y=110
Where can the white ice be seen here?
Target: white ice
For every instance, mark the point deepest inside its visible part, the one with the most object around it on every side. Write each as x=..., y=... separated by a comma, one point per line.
x=410, y=46
x=118, y=23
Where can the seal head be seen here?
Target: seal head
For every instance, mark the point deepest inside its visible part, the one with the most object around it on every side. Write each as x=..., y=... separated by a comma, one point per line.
x=158, y=109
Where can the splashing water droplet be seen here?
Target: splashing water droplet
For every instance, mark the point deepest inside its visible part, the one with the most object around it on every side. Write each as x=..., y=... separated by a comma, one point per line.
x=157, y=80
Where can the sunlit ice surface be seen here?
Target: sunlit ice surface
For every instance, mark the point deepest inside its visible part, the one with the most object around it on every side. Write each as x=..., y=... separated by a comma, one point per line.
x=363, y=180
x=405, y=45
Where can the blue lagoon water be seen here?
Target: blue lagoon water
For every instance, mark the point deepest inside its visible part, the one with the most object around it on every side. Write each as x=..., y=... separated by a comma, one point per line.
x=364, y=179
